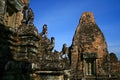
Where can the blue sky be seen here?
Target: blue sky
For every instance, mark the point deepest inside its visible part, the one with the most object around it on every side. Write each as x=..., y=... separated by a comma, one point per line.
x=62, y=18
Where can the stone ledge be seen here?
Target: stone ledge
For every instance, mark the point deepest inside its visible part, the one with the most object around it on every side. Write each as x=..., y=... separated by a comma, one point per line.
x=49, y=72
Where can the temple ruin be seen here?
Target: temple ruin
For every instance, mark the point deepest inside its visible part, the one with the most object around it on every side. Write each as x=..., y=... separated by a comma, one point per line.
x=26, y=54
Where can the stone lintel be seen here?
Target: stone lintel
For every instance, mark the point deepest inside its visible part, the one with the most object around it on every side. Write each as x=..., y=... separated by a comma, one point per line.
x=90, y=56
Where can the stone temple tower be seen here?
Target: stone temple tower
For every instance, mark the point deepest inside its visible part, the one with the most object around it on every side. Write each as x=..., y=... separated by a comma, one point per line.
x=91, y=47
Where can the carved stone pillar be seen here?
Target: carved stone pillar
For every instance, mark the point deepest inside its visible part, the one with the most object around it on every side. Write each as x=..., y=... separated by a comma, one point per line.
x=90, y=68
x=84, y=67
x=94, y=67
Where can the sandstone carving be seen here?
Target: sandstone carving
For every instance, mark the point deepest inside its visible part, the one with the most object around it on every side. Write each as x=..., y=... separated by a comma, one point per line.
x=26, y=54
x=2, y=10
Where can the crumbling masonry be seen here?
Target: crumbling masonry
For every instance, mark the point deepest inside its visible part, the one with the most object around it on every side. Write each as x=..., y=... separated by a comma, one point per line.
x=26, y=54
